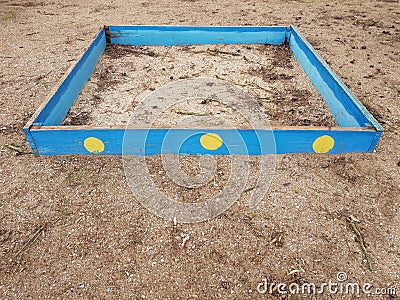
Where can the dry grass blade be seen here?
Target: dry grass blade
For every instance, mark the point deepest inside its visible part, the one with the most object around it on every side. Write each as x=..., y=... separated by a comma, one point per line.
x=360, y=241
x=31, y=240
x=34, y=237
x=18, y=150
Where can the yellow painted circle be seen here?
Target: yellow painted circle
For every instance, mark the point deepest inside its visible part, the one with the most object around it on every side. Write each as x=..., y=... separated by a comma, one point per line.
x=93, y=145
x=211, y=141
x=323, y=144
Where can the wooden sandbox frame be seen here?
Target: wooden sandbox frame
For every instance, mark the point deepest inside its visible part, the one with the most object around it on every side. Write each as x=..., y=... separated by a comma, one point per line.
x=357, y=130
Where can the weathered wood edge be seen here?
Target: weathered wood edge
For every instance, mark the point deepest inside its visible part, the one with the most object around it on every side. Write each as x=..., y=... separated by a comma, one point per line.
x=350, y=96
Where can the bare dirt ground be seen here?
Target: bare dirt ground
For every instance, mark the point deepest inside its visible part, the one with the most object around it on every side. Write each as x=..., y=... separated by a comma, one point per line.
x=87, y=236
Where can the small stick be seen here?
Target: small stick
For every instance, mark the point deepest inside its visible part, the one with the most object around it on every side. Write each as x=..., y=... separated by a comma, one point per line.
x=186, y=113
x=213, y=52
x=216, y=51
x=190, y=113
x=34, y=237
x=360, y=241
x=40, y=77
x=185, y=239
x=19, y=151
x=249, y=189
x=174, y=224
x=31, y=239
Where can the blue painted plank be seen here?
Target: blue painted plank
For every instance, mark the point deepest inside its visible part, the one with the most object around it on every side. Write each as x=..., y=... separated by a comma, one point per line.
x=347, y=110
x=191, y=35
x=31, y=141
x=187, y=141
x=301, y=141
x=375, y=141
x=61, y=101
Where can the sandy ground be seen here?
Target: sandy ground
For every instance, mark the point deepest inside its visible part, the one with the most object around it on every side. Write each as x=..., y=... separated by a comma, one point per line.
x=91, y=239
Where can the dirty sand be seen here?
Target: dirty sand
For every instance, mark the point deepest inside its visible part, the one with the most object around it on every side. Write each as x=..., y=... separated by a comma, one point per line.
x=91, y=239
x=269, y=74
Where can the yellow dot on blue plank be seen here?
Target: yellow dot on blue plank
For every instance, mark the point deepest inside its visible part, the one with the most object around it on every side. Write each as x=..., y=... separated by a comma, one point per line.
x=211, y=141
x=93, y=145
x=323, y=144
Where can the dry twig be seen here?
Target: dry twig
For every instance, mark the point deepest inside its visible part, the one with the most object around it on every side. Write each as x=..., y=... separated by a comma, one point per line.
x=17, y=150
x=360, y=239
x=34, y=237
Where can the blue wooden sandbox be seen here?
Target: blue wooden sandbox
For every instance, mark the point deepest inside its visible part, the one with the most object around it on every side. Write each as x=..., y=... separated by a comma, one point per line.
x=358, y=131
